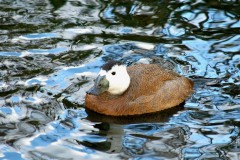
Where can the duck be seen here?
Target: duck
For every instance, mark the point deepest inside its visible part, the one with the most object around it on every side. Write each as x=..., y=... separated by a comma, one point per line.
x=139, y=89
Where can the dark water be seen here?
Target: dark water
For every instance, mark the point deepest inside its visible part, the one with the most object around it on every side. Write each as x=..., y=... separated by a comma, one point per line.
x=50, y=51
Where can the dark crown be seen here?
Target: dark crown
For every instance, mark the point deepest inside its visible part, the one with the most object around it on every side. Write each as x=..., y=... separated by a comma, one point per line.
x=108, y=66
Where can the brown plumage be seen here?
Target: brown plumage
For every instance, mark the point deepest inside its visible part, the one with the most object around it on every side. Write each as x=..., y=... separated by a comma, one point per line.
x=151, y=89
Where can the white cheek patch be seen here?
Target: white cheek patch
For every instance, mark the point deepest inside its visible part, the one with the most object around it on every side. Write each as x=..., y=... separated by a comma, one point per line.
x=119, y=69
x=102, y=73
x=119, y=82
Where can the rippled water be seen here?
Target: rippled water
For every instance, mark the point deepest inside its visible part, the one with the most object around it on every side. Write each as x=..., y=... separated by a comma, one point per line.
x=50, y=51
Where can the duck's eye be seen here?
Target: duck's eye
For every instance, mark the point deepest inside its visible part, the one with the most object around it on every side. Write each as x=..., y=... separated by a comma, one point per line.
x=99, y=85
x=113, y=73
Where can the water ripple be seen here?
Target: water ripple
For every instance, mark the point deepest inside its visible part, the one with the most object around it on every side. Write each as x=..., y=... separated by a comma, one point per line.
x=51, y=52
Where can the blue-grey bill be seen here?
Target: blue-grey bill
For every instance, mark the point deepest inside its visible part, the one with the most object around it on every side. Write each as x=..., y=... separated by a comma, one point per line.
x=101, y=85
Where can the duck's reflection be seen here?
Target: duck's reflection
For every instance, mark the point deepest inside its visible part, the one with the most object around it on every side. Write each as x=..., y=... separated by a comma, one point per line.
x=157, y=117
x=114, y=128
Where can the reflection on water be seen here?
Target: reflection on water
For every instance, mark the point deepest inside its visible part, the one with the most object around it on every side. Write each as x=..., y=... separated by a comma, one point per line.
x=50, y=52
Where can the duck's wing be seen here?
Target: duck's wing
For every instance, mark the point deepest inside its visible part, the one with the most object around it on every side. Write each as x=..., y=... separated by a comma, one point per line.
x=155, y=89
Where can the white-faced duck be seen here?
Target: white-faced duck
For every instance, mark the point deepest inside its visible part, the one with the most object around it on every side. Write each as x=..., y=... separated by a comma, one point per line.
x=142, y=88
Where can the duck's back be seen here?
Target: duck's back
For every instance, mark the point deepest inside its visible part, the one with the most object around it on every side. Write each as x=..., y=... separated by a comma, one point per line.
x=151, y=89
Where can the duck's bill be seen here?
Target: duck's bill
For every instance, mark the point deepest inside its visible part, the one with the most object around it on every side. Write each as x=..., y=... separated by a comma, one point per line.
x=101, y=85
x=94, y=91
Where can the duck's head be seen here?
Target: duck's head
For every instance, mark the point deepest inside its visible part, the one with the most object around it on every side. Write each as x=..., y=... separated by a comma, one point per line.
x=113, y=78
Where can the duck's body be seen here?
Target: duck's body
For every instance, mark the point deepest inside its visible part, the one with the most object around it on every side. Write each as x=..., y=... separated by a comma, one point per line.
x=151, y=89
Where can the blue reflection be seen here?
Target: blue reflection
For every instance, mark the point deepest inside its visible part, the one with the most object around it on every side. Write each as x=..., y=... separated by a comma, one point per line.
x=6, y=110
x=12, y=156
x=44, y=140
x=30, y=99
x=93, y=138
x=143, y=128
x=48, y=51
x=15, y=99
x=18, y=110
x=125, y=30
x=60, y=77
x=40, y=36
x=10, y=54
x=34, y=81
x=133, y=9
x=108, y=13
x=134, y=145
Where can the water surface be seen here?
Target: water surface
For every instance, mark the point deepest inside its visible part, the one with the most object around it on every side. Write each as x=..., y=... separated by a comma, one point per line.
x=50, y=52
